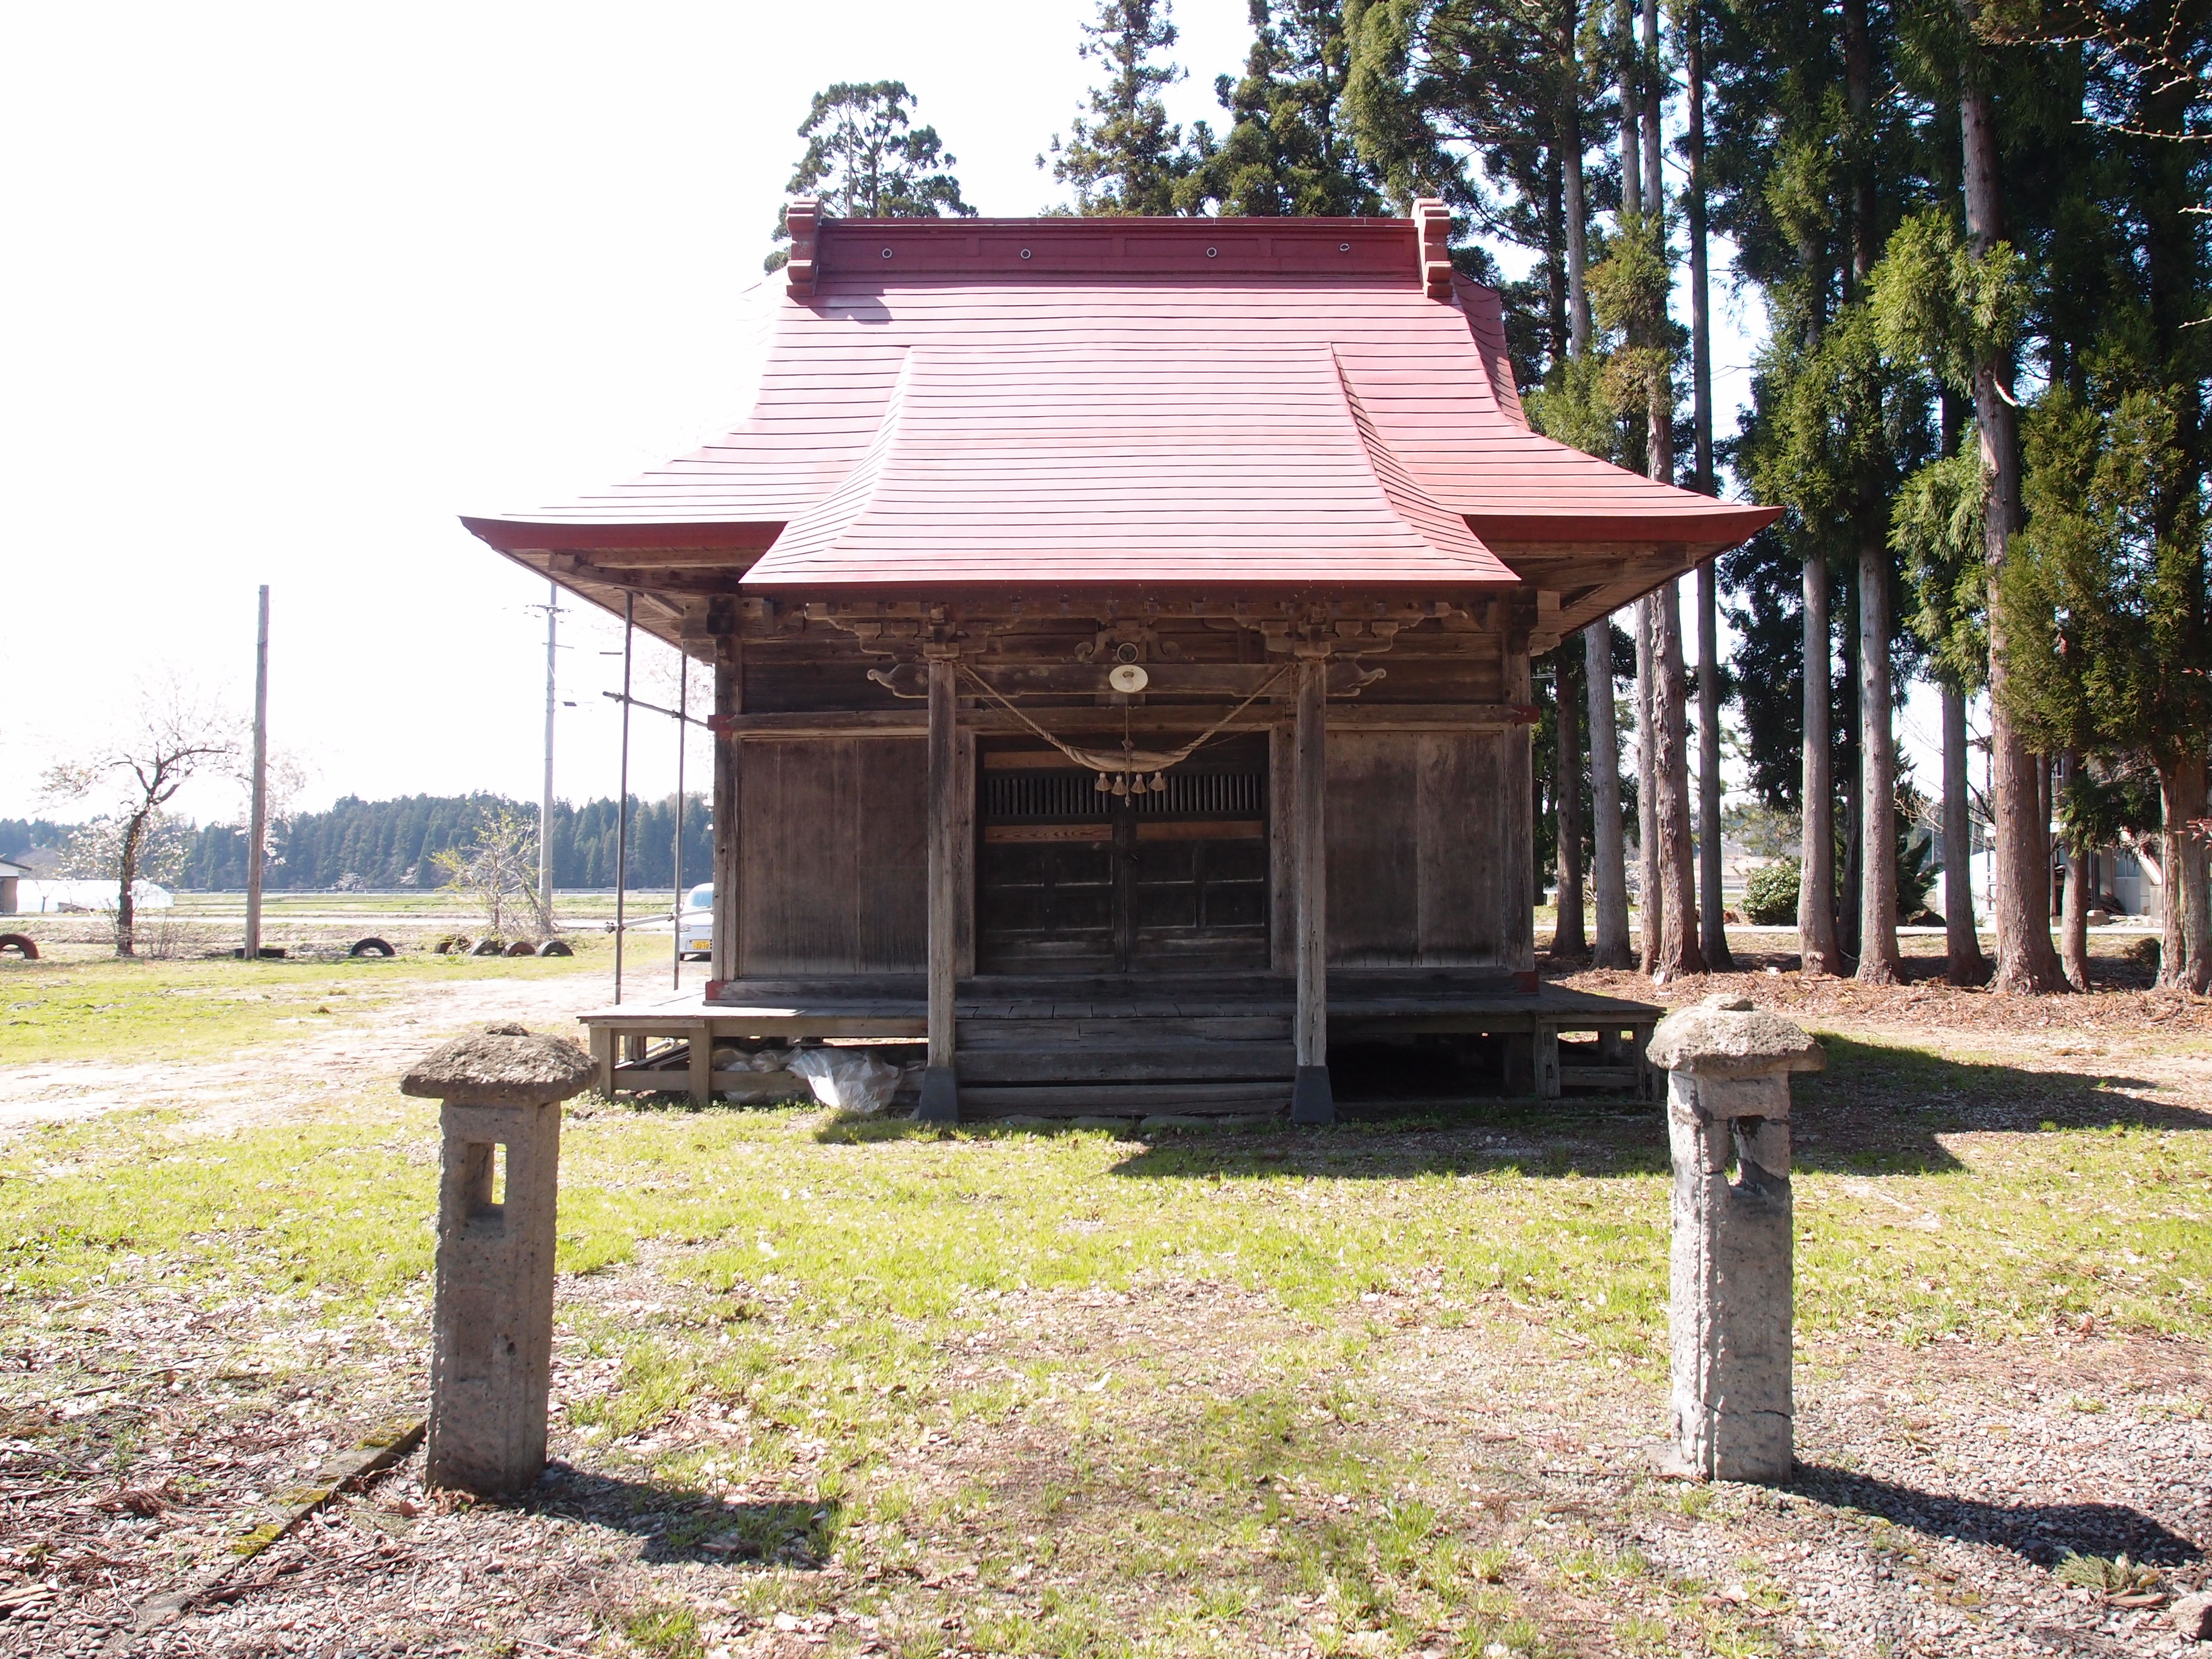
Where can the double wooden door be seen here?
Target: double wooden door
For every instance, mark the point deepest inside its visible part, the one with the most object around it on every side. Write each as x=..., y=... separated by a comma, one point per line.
x=1073, y=879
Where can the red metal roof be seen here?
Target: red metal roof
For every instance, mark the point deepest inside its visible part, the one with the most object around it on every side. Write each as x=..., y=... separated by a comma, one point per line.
x=1143, y=400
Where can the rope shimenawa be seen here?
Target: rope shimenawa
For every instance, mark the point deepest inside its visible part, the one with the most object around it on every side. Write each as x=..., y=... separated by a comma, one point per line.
x=1128, y=767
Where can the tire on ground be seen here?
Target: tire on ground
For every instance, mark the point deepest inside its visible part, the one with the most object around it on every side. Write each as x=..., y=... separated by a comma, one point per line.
x=22, y=944
x=372, y=946
x=522, y=947
x=555, y=947
x=488, y=947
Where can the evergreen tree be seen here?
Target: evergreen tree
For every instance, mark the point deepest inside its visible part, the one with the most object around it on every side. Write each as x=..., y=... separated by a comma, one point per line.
x=1125, y=157
x=1289, y=149
x=2104, y=595
x=866, y=160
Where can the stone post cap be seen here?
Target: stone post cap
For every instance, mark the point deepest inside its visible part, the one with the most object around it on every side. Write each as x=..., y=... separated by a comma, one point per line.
x=1732, y=1036
x=503, y=1065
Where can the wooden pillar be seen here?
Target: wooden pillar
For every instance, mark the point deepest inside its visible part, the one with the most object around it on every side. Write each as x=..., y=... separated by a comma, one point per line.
x=1311, y=1099
x=940, y=1094
x=729, y=700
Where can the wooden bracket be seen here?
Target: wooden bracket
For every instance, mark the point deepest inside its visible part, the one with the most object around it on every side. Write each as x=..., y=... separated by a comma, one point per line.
x=802, y=219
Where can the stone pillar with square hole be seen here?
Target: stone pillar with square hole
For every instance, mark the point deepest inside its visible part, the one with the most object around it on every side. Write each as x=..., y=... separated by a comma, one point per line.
x=1731, y=1287
x=491, y=1334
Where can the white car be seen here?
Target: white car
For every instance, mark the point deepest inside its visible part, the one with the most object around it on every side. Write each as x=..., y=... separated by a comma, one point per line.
x=696, y=922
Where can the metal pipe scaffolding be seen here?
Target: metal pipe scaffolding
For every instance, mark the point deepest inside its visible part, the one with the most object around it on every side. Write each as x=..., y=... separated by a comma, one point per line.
x=622, y=795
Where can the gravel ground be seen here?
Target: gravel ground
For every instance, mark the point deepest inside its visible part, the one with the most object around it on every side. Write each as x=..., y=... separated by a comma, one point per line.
x=1938, y=1485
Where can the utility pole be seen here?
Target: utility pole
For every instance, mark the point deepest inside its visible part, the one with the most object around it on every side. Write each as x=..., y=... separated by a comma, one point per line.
x=258, y=834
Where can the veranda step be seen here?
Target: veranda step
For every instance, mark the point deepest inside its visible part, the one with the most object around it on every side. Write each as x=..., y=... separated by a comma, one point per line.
x=1125, y=1062
x=982, y=1033
x=1125, y=1100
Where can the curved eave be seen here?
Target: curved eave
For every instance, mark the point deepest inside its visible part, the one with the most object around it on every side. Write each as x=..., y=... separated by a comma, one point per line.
x=578, y=536
x=1723, y=525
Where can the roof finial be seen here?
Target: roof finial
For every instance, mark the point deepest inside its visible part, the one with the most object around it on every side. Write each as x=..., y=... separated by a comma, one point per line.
x=802, y=218
x=1432, y=219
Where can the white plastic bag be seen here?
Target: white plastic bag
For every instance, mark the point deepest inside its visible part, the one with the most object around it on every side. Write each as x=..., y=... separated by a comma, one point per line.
x=847, y=1079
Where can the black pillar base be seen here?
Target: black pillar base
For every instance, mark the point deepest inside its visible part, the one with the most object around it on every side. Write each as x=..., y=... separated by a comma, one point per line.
x=1311, y=1099
x=940, y=1097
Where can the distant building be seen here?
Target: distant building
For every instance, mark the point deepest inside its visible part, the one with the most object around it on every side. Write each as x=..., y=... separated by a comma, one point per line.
x=11, y=876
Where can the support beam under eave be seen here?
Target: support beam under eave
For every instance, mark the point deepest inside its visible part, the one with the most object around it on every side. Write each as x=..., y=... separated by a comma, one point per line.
x=940, y=1093
x=1311, y=1101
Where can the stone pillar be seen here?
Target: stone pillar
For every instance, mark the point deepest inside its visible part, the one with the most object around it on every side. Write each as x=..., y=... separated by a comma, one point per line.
x=491, y=1334
x=1728, y=1105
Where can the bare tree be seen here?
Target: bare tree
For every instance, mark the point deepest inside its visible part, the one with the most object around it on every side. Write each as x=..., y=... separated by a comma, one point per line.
x=175, y=734
x=499, y=870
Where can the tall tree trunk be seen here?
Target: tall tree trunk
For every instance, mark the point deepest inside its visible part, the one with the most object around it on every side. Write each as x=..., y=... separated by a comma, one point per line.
x=1654, y=176
x=2185, y=954
x=2074, y=919
x=2027, y=964
x=1817, y=949
x=1962, y=944
x=1612, y=873
x=1575, y=205
x=1631, y=140
x=1713, y=906
x=1853, y=789
x=1712, y=915
x=1648, y=786
x=1555, y=261
x=1568, y=939
x=1880, y=962
x=1679, y=953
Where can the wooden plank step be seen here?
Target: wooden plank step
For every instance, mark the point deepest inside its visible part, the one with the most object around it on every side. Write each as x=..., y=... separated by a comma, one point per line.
x=1598, y=1076
x=1132, y=1033
x=1128, y=1100
x=1103, y=1064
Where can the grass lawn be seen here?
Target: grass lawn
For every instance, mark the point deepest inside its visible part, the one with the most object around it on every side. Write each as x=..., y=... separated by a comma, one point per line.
x=864, y=1386
x=82, y=1002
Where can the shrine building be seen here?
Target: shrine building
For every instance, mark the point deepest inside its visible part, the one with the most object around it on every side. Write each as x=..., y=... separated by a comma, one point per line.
x=1122, y=634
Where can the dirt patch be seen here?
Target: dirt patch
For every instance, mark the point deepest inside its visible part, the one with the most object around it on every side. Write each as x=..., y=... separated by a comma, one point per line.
x=266, y=1080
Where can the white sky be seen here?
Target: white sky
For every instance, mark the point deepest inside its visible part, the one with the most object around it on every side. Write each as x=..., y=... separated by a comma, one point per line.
x=291, y=286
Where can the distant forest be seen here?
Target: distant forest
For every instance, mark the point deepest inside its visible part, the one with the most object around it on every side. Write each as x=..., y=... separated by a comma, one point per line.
x=386, y=844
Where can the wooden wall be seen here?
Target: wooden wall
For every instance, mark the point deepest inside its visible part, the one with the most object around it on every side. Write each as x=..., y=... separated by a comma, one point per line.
x=1428, y=850
x=832, y=856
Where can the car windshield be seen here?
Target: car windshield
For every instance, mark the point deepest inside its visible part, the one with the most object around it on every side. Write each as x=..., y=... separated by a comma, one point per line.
x=701, y=897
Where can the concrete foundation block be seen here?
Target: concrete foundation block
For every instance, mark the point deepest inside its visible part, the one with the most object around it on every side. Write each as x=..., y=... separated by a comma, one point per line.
x=491, y=1340
x=1730, y=1281
x=1312, y=1101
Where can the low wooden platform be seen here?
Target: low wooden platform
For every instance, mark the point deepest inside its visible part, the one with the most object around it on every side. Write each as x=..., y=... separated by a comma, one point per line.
x=1078, y=1045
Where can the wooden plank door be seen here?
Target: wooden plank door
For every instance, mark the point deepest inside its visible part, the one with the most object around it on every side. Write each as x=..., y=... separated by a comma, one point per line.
x=1071, y=879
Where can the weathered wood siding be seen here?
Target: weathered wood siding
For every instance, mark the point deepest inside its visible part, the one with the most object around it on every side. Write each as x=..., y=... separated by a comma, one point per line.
x=834, y=856
x=1422, y=830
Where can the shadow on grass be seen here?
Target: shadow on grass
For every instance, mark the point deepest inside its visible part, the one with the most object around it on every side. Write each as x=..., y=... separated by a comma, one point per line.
x=2045, y=1533
x=681, y=1523
x=1876, y=1111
